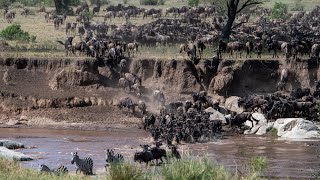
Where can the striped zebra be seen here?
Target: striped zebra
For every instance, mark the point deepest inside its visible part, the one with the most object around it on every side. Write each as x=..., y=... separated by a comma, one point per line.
x=45, y=169
x=83, y=165
x=61, y=170
x=111, y=158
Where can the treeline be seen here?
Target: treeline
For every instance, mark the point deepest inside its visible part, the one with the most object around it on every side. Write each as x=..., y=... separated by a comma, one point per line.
x=47, y=3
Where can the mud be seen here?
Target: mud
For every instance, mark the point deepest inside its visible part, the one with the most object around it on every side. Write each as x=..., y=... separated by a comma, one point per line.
x=293, y=160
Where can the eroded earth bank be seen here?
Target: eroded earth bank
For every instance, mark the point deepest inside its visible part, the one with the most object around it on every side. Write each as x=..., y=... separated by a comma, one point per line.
x=80, y=94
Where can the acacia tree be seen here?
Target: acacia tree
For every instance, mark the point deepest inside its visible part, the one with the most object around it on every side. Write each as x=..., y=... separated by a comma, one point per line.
x=234, y=8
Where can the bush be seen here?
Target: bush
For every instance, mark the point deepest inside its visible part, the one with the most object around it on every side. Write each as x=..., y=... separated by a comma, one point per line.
x=279, y=10
x=193, y=2
x=14, y=32
x=298, y=6
x=148, y=2
x=5, y=3
x=125, y=1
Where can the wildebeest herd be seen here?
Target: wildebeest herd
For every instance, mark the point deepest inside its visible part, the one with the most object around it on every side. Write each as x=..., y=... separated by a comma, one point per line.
x=191, y=28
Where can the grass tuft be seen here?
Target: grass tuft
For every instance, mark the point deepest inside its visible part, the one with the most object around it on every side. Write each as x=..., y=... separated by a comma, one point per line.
x=124, y=171
x=12, y=170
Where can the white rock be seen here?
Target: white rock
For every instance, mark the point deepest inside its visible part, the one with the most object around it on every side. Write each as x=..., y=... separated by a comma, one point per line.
x=217, y=116
x=13, y=155
x=260, y=117
x=232, y=104
x=264, y=128
x=296, y=128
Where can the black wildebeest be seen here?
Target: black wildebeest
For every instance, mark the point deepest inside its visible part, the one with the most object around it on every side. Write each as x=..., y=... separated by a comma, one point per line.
x=67, y=45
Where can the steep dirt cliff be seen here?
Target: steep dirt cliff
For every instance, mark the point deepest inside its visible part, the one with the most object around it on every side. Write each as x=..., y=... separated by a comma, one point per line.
x=84, y=90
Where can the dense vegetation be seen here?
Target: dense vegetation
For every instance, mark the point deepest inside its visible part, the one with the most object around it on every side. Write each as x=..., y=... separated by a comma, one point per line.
x=14, y=32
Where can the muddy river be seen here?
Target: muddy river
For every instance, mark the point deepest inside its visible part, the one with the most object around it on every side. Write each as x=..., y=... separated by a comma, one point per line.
x=287, y=159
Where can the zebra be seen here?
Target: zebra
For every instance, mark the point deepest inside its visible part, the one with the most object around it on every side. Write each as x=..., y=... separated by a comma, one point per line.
x=61, y=170
x=83, y=165
x=113, y=159
x=45, y=169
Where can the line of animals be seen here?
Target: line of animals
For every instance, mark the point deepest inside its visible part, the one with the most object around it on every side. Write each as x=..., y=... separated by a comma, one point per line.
x=85, y=165
x=297, y=35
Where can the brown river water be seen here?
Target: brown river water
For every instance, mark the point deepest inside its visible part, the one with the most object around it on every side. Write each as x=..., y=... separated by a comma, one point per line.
x=286, y=159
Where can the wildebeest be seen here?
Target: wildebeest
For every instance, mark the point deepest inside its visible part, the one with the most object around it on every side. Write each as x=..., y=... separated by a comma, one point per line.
x=235, y=47
x=67, y=45
x=148, y=121
x=142, y=107
x=249, y=48
x=126, y=102
x=158, y=97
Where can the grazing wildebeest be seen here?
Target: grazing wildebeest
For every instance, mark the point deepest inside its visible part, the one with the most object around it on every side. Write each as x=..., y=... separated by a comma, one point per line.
x=158, y=97
x=274, y=46
x=68, y=28
x=235, y=47
x=258, y=48
x=249, y=48
x=81, y=31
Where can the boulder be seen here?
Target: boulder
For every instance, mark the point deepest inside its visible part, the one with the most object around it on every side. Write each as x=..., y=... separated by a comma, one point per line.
x=296, y=128
x=232, y=104
x=259, y=117
x=215, y=115
x=264, y=128
x=11, y=144
x=13, y=155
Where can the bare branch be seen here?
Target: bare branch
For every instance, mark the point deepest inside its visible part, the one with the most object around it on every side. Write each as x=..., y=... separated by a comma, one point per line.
x=248, y=3
x=237, y=25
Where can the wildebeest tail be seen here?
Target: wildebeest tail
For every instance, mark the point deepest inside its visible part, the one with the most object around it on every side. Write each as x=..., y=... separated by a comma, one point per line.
x=60, y=42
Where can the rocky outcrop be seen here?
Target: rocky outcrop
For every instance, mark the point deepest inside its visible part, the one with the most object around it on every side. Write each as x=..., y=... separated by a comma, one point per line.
x=296, y=128
x=11, y=144
x=72, y=76
x=13, y=155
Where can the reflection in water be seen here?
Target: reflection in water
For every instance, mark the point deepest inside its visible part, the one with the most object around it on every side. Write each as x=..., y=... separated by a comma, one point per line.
x=286, y=159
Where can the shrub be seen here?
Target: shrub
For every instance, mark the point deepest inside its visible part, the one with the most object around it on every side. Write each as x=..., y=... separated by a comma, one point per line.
x=298, y=6
x=148, y=2
x=193, y=2
x=125, y=1
x=279, y=10
x=5, y=3
x=14, y=32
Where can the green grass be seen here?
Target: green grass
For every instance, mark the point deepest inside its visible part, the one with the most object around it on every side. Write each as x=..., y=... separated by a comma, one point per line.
x=125, y=171
x=309, y=4
x=274, y=132
x=12, y=170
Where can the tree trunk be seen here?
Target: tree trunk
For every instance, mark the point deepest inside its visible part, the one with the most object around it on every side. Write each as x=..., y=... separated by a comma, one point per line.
x=228, y=28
